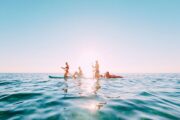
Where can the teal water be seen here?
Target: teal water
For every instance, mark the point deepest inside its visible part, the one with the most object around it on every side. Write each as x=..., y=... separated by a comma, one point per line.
x=135, y=97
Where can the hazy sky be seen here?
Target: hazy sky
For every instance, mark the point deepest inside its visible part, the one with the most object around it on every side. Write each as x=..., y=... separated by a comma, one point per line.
x=124, y=35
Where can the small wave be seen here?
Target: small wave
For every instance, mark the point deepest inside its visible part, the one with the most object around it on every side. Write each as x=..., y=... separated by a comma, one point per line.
x=5, y=83
x=18, y=96
x=9, y=82
x=9, y=113
x=145, y=94
x=15, y=114
x=142, y=107
x=79, y=97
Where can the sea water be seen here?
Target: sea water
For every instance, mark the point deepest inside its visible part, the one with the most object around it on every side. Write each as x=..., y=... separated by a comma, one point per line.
x=26, y=96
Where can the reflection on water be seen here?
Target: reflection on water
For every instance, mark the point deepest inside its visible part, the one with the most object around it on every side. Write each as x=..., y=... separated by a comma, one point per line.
x=93, y=106
x=65, y=89
x=97, y=86
x=137, y=96
x=88, y=86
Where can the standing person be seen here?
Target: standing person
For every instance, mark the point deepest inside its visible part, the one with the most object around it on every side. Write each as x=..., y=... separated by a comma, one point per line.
x=66, y=69
x=96, y=70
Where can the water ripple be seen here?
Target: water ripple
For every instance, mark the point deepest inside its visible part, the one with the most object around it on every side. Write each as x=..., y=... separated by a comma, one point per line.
x=135, y=97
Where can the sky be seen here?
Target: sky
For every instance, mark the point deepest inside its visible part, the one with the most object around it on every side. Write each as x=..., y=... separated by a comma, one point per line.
x=125, y=36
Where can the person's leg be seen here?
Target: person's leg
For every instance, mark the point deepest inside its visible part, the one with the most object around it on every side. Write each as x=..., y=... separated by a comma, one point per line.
x=97, y=75
x=66, y=74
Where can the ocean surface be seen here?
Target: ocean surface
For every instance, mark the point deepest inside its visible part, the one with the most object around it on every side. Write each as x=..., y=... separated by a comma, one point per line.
x=135, y=97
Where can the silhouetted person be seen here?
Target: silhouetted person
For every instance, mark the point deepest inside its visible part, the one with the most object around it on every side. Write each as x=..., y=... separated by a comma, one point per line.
x=96, y=70
x=108, y=75
x=66, y=69
x=78, y=74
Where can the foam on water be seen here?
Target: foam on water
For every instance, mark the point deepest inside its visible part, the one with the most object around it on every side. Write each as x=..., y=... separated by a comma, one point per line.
x=137, y=96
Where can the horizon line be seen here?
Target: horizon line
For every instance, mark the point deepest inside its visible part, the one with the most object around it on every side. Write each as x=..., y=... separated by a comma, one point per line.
x=113, y=72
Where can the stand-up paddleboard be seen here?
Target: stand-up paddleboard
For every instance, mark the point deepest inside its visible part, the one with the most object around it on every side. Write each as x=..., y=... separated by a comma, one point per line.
x=62, y=77
x=59, y=77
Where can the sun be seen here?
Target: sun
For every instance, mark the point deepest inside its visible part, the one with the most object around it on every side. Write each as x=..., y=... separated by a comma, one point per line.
x=87, y=59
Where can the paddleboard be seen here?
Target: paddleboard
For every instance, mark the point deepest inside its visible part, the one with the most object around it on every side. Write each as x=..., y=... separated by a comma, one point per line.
x=59, y=77
x=62, y=77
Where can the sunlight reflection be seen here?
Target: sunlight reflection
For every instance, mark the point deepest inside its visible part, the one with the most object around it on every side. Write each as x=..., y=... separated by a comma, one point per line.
x=90, y=86
x=93, y=106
